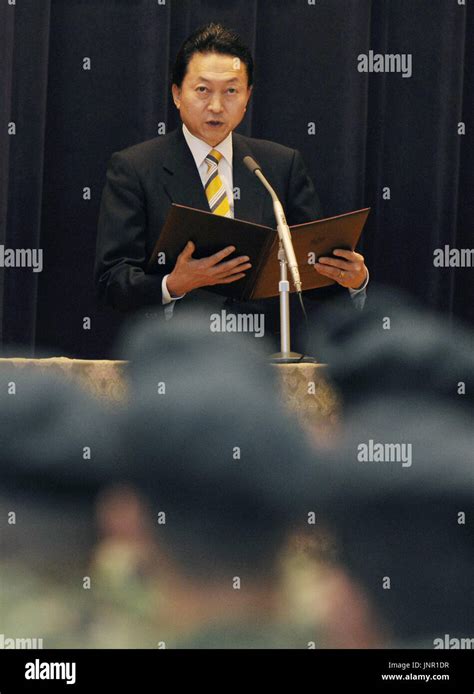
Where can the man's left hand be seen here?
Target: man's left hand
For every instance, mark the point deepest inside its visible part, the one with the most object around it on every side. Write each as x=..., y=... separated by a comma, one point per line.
x=348, y=269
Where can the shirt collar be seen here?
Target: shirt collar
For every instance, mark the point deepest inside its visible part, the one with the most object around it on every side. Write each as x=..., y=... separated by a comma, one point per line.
x=200, y=149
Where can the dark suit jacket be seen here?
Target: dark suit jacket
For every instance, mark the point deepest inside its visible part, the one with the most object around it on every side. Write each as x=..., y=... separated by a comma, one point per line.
x=143, y=181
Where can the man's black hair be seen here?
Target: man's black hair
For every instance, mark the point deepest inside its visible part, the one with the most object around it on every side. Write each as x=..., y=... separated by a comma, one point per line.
x=212, y=38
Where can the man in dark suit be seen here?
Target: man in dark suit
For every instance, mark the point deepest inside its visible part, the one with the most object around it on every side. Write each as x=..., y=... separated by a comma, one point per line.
x=200, y=165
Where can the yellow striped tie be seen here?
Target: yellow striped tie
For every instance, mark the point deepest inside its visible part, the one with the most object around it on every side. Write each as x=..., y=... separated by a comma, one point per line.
x=215, y=191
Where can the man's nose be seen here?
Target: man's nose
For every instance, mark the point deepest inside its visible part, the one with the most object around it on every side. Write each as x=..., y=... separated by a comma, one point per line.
x=215, y=104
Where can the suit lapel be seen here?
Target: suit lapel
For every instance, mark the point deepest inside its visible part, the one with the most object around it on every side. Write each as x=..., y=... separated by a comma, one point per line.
x=252, y=194
x=182, y=180
x=184, y=186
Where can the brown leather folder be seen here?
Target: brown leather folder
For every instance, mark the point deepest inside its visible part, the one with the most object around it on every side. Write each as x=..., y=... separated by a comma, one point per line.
x=211, y=233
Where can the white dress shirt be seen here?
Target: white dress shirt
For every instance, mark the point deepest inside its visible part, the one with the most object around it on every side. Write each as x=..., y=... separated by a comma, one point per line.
x=200, y=150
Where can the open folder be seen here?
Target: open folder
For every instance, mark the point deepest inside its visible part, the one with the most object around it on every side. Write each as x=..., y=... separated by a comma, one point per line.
x=211, y=233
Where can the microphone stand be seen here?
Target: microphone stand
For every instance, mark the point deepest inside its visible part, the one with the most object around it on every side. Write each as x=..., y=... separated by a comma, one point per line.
x=285, y=253
x=285, y=355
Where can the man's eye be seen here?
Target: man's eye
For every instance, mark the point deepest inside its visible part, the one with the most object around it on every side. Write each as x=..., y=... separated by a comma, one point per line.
x=232, y=90
x=201, y=89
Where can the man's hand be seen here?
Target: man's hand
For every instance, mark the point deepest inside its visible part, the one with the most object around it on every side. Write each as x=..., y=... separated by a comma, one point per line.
x=189, y=273
x=349, y=270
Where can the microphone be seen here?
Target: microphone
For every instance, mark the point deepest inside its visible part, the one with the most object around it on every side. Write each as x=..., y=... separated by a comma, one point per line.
x=282, y=227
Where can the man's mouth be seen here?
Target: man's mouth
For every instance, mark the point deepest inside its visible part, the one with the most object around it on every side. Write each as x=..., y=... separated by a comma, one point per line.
x=214, y=123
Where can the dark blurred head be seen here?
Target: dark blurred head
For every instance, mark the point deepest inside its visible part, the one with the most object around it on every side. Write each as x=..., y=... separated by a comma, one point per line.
x=398, y=518
x=394, y=347
x=54, y=460
x=406, y=377
x=207, y=434
x=52, y=434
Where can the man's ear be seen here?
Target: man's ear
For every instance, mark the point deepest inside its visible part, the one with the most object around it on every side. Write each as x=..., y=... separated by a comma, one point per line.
x=176, y=91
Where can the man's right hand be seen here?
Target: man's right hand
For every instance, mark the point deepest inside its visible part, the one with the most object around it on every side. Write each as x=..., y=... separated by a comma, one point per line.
x=190, y=273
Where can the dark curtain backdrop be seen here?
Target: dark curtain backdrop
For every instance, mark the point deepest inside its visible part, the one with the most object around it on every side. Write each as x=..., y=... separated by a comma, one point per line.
x=371, y=131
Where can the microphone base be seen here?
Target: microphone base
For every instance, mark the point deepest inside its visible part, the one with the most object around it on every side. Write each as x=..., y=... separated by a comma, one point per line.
x=291, y=358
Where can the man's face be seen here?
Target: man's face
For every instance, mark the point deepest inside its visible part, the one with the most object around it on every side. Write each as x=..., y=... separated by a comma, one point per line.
x=213, y=96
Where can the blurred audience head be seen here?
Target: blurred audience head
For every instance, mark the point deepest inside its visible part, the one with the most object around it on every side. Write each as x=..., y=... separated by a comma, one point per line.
x=394, y=347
